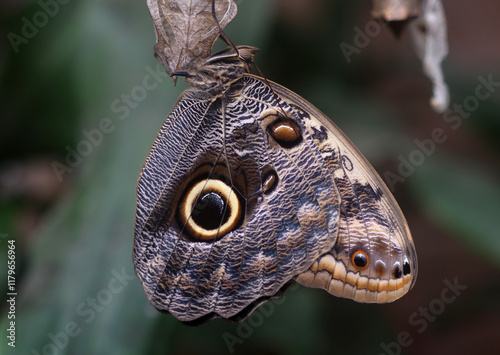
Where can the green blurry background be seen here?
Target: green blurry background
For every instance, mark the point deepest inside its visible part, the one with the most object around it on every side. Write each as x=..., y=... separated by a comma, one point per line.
x=77, y=291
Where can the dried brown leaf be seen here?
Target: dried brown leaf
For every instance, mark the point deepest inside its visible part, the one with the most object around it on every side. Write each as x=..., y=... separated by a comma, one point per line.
x=186, y=30
x=395, y=10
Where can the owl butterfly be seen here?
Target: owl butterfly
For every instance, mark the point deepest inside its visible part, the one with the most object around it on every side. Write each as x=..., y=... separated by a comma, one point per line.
x=247, y=188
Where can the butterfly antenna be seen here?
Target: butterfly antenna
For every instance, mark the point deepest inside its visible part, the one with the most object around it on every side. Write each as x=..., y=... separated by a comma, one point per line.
x=222, y=35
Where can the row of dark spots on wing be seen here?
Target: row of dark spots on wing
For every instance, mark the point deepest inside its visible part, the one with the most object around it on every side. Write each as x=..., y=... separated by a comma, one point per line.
x=369, y=198
x=360, y=257
x=406, y=269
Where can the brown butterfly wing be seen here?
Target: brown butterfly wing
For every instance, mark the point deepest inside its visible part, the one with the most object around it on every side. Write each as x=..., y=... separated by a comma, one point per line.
x=284, y=227
x=371, y=222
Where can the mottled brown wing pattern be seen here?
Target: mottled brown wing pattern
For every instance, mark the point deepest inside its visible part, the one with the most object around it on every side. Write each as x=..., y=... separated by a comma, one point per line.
x=374, y=259
x=248, y=187
x=285, y=224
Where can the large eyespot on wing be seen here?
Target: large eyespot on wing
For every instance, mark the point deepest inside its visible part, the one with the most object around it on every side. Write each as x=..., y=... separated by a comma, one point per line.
x=210, y=209
x=225, y=145
x=172, y=154
x=181, y=256
x=372, y=228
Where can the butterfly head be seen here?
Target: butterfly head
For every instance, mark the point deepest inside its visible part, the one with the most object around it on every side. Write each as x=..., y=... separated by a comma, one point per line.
x=220, y=70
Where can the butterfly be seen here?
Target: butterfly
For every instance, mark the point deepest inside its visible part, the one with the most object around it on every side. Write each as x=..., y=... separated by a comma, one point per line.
x=247, y=188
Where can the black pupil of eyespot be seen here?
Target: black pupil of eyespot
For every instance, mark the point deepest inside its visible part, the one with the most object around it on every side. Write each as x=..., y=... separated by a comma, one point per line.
x=360, y=260
x=397, y=272
x=406, y=268
x=210, y=211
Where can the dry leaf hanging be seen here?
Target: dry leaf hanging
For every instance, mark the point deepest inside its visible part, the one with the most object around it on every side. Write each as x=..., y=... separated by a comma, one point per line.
x=186, y=30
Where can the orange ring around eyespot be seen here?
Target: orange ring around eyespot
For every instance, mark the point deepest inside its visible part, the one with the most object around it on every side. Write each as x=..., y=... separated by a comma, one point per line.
x=356, y=253
x=227, y=193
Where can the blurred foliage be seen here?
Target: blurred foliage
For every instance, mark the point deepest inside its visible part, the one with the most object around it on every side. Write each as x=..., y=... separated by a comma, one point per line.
x=456, y=196
x=66, y=80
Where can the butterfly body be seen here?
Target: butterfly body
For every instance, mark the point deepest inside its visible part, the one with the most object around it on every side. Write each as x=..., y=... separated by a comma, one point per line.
x=248, y=187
